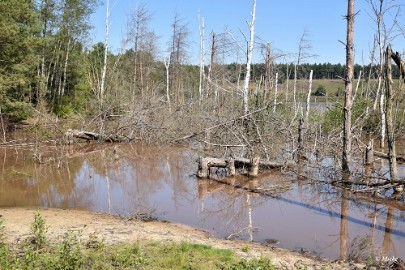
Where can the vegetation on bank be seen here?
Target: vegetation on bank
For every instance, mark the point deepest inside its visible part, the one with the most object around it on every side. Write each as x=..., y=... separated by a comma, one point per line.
x=73, y=252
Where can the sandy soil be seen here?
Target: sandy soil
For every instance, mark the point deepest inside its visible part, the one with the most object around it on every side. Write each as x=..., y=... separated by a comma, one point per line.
x=114, y=229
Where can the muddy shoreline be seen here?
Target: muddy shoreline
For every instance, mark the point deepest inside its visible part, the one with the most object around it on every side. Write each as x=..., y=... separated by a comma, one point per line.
x=112, y=229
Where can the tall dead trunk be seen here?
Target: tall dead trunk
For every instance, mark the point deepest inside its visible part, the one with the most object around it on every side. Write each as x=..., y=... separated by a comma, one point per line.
x=167, y=66
x=308, y=97
x=347, y=133
x=286, y=86
x=212, y=56
x=295, y=89
x=249, y=60
x=202, y=55
x=275, y=93
x=104, y=68
x=267, y=70
x=392, y=157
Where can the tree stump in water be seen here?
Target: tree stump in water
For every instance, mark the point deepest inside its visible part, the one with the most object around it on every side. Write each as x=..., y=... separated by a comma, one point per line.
x=369, y=157
x=205, y=163
x=254, y=166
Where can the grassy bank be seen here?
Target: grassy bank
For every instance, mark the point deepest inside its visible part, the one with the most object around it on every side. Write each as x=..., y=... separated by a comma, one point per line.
x=72, y=252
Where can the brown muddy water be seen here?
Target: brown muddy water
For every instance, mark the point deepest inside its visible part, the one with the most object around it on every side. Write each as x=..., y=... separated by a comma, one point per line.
x=129, y=179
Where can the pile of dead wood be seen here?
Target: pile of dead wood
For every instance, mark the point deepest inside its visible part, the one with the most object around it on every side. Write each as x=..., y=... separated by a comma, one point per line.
x=93, y=136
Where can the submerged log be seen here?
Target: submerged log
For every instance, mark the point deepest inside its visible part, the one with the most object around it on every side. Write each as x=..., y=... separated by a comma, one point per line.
x=93, y=136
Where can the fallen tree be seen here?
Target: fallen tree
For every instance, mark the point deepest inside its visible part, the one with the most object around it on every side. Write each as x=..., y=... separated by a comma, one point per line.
x=93, y=136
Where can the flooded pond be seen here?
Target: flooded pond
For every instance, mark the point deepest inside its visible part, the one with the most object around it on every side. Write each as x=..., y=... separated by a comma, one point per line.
x=129, y=179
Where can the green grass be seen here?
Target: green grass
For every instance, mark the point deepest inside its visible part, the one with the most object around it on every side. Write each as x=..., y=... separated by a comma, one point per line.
x=72, y=252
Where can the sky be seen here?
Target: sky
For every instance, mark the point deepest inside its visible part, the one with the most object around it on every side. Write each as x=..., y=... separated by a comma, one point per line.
x=278, y=22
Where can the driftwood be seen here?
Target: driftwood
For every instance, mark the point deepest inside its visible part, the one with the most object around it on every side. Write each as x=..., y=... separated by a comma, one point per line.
x=93, y=136
x=253, y=165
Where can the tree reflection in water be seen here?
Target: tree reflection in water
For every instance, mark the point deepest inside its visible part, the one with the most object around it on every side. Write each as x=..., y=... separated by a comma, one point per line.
x=126, y=179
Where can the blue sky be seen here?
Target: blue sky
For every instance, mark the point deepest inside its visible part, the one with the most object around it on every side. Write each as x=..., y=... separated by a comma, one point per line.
x=281, y=23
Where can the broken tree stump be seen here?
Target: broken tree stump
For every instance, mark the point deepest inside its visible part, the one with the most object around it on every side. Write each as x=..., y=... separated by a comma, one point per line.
x=369, y=157
x=253, y=165
x=206, y=163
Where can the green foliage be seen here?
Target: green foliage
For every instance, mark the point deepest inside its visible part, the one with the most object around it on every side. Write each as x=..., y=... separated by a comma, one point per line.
x=254, y=264
x=18, y=110
x=2, y=232
x=245, y=248
x=39, y=230
x=127, y=256
x=340, y=92
x=70, y=252
x=320, y=91
x=333, y=118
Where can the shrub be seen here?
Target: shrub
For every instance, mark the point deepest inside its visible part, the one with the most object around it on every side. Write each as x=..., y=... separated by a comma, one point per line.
x=39, y=230
x=320, y=91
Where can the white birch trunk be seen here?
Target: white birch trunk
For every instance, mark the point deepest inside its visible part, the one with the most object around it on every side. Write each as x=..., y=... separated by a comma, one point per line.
x=357, y=86
x=286, y=87
x=308, y=97
x=295, y=89
x=202, y=54
x=249, y=60
x=104, y=69
x=65, y=69
x=275, y=93
x=167, y=65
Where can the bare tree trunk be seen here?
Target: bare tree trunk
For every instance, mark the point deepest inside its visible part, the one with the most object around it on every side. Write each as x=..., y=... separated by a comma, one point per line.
x=371, y=68
x=202, y=55
x=383, y=116
x=249, y=60
x=295, y=89
x=286, y=86
x=2, y=126
x=104, y=68
x=267, y=70
x=275, y=94
x=65, y=69
x=381, y=43
x=389, y=119
x=308, y=97
x=167, y=65
x=212, y=55
x=357, y=86
x=347, y=133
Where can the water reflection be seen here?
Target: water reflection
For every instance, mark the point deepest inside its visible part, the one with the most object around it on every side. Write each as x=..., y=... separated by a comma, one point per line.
x=344, y=226
x=127, y=178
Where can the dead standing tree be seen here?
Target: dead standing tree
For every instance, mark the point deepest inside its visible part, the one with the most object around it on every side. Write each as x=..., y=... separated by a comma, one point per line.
x=383, y=37
x=178, y=54
x=389, y=117
x=347, y=133
x=143, y=42
x=249, y=60
x=201, y=26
